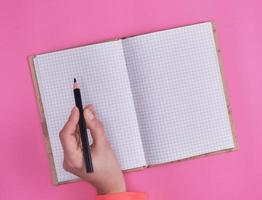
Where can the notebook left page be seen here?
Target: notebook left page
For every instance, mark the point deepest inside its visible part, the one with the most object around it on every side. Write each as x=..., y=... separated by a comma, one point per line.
x=101, y=72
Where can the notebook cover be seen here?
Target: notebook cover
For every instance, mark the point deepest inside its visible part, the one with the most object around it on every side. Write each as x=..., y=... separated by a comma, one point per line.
x=44, y=125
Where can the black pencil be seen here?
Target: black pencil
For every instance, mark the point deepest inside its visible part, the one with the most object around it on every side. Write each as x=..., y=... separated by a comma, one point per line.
x=82, y=128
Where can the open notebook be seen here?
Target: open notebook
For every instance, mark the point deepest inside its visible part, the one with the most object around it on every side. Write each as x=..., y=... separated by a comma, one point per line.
x=160, y=95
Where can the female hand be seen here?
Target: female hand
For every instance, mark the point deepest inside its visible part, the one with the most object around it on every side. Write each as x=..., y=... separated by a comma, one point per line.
x=107, y=176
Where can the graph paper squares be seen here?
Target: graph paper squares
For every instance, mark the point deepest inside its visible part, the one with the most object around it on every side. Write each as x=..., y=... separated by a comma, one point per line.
x=159, y=95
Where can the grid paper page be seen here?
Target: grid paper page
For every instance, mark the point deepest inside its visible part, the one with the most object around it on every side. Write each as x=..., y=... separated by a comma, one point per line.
x=178, y=93
x=102, y=75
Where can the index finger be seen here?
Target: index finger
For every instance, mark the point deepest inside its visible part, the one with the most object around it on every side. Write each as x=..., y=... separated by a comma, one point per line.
x=68, y=132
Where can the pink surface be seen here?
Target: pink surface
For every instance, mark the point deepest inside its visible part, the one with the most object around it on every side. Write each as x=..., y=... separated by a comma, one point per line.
x=30, y=27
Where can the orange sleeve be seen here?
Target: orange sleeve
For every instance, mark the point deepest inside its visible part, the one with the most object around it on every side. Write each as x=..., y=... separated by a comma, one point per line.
x=123, y=196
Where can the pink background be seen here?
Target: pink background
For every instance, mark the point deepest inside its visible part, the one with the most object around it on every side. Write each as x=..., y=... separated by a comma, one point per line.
x=30, y=27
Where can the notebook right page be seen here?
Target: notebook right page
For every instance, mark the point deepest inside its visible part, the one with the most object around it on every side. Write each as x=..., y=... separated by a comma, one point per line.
x=178, y=93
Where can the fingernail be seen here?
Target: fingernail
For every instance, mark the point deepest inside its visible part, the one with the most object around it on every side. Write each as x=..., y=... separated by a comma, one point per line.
x=92, y=107
x=73, y=109
x=90, y=115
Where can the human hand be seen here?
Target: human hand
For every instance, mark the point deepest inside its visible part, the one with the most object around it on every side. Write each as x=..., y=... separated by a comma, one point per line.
x=107, y=176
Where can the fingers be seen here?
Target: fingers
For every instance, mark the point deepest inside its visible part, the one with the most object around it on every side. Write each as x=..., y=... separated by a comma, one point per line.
x=94, y=124
x=67, y=134
x=91, y=107
x=72, y=122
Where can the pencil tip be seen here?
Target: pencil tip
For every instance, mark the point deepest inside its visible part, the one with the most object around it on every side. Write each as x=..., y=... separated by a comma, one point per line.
x=74, y=80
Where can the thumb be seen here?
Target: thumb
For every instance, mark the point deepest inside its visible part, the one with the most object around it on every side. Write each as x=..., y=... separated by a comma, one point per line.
x=95, y=125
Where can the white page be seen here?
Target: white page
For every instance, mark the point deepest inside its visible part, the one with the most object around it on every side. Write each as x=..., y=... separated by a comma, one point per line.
x=178, y=93
x=102, y=75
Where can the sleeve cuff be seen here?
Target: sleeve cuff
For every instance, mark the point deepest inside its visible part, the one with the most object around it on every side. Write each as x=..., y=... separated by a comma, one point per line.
x=123, y=196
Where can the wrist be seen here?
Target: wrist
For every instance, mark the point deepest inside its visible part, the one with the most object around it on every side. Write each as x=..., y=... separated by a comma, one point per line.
x=109, y=189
